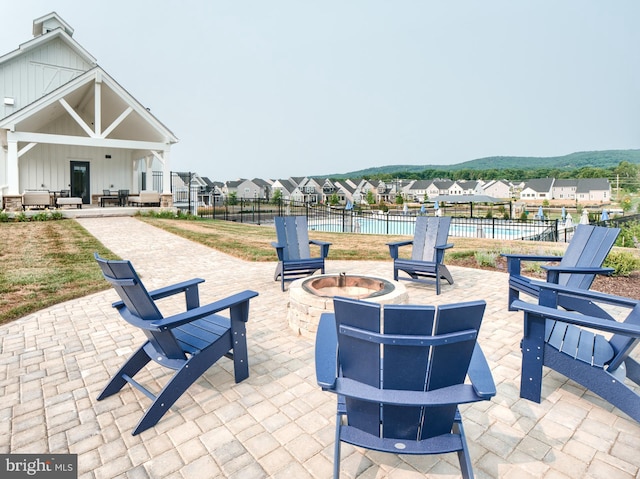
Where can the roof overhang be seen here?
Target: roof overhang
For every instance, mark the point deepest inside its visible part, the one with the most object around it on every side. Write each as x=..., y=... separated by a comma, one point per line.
x=121, y=116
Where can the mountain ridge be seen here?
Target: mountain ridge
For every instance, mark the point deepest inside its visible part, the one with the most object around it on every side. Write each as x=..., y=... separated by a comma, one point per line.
x=580, y=159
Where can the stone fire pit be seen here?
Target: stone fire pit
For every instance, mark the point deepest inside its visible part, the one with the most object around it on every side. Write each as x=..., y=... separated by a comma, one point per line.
x=312, y=296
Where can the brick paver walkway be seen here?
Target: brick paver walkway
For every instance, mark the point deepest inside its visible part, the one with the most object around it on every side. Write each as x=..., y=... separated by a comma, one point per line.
x=277, y=423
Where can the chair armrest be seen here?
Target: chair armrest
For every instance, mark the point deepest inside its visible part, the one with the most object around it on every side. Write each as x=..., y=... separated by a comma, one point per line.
x=514, y=260
x=555, y=289
x=326, y=351
x=279, y=250
x=174, y=288
x=324, y=247
x=553, y=272
x=530, y=257
x=202, y=311
x=480, y=374
x=168, y=290
x=393, y=247
x=456, y=394
x=533, y=311
x=444, y=246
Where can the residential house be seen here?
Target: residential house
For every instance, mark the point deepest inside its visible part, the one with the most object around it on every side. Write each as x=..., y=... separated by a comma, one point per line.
x=417, y=191
x=471, y=187
x=66, y=124
x=311, y=189
x=593, y=190
x=537, y=189
x=564, y=189
x=264, y=188
x=286, y=188
x=497, y=189
x=439, y=187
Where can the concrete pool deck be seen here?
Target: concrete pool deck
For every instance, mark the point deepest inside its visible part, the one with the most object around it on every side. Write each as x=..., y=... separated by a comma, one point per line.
x=277, y=423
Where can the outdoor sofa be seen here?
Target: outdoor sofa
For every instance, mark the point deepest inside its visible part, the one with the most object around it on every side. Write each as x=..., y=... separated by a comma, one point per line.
x=145, y=198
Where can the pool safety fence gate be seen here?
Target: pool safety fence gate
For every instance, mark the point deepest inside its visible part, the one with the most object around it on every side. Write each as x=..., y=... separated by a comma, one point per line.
x=337, y=219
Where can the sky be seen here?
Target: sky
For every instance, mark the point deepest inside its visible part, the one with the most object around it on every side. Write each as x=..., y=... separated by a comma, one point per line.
x=281, y=88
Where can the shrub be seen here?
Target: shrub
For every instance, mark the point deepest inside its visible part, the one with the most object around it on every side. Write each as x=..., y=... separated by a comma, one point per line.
x=4, y=217
x=486, y=258
x=622, y=262
x=629, y=234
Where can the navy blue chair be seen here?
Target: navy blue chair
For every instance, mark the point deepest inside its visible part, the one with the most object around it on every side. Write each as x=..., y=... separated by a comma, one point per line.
x=429, y=243
x=292, y=247
x=188, y=343
x=593, y=351
x=399, y=380
x=577, y=268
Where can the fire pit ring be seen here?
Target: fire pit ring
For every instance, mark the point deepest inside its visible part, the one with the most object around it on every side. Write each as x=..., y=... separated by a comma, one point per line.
x=312, y=296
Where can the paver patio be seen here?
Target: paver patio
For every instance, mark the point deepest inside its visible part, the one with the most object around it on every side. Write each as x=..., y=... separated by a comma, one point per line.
x=277, y=423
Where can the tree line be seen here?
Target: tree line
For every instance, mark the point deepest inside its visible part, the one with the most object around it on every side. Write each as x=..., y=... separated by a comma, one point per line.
x=625, y=175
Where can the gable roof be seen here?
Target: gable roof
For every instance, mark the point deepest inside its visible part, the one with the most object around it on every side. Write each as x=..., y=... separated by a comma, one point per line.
x=586, y=185
x=540, y=184
x=64, y=34
x=122, y=116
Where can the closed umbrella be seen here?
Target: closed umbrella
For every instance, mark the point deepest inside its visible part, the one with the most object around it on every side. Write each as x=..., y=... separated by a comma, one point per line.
x=540, y=213
x=564, y=213
x=605, y=215
x=405, y=209
x=349, y=206
x=584, y=219
x=436, y=206
x=423, y=210
x=568, y=222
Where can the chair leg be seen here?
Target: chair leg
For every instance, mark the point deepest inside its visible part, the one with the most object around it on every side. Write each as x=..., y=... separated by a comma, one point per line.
x=182, y=379
x=336, y=450
x=513, y=295
x=134, y=364
x=463, y=455
x=278, y=271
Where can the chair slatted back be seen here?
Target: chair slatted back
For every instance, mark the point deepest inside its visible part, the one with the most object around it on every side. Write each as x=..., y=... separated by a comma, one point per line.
x=292, y=232
x=589, y=247
x=431, y=231
x=138, y=305
x=403, y=366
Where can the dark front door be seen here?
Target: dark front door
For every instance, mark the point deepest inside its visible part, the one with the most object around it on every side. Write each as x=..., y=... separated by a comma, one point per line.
x=80, y=181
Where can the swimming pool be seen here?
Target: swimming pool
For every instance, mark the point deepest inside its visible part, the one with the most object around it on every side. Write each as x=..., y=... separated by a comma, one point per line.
x=460, y=227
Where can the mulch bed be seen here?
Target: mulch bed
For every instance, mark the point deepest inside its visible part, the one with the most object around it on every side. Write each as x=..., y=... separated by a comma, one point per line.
x=628, y=287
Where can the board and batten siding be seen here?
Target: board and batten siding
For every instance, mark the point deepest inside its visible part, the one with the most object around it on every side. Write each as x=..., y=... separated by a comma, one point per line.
x=28, y=77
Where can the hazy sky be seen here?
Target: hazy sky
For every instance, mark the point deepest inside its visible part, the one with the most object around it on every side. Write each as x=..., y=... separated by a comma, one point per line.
x=277, y=88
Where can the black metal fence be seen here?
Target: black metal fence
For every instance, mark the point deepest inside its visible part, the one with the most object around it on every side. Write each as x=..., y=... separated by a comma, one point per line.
x=393, y=222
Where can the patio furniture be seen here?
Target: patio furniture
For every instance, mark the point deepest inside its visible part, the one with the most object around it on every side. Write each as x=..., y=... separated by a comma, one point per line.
x=593, y=351
x=399, y=390
x=577, y=268
x=36, y=199
x=427, y=254
x=108, y=197
x=292, y=247
x=145, y=198
x=123, y=197
x=189, y=342
x=65, y=199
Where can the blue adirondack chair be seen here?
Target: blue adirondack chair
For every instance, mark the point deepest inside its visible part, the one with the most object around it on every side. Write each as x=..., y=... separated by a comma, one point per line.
x=292, y=247
x=399, y=390
x=577, y=268
x=600, y=361
x=189, y=342
x=427, y=253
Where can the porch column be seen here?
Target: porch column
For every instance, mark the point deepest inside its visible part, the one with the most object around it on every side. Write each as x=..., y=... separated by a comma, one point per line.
x=13, y=176
x=166, y=174
x=134, y=177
